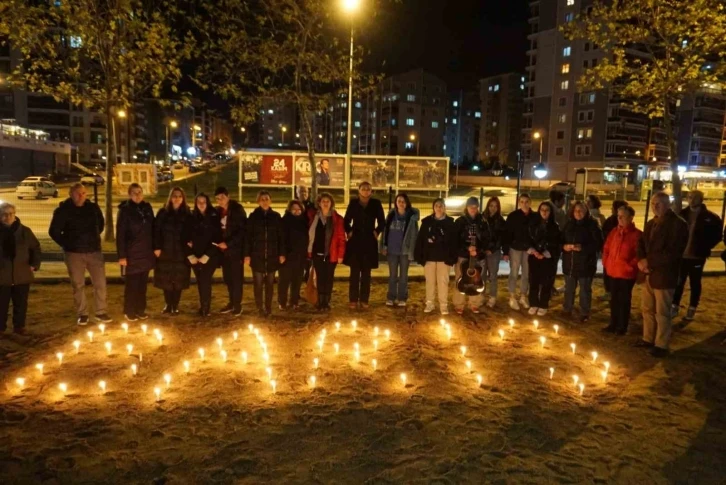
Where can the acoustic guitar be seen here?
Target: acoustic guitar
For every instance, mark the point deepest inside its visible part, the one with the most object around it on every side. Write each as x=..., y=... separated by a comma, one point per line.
x=471, y=282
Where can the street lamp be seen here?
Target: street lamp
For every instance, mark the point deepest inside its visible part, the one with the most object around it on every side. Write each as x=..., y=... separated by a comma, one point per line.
x=283, y=129
x=244, y=130
x=413, y=140
x=350, y=6
x=538, y=136
x=540, y=171
x=121, y=113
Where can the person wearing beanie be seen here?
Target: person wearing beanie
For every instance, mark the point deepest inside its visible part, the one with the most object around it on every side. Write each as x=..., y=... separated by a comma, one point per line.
x=471, y=241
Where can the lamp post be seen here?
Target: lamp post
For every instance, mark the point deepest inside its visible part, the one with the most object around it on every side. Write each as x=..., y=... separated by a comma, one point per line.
x=244, y=130
x=167, y=157
x=283, y=129
x=195, y=129
x=538, y=136
x=413, y=140
x=350, y=6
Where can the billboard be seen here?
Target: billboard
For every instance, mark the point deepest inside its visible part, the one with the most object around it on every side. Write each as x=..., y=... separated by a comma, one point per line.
x=258, y=169
x=379, y=171
x=330, y=171
x=422, y=173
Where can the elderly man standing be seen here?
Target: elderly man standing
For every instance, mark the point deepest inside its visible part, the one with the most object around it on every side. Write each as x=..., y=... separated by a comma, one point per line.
x=76, y=226
x=660, y=251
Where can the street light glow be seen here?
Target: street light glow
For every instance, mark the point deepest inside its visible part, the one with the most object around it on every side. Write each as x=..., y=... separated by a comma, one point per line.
x=413, y=137
x=173, y=124
x=243, y=129
x=121, y=113
x=536, y=135
x=540, y=171
x=351, y=5
x=284, y=129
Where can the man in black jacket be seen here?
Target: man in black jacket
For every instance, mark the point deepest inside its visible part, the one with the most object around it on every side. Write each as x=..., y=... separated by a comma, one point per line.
x=76, y=226
x=516, y=244
x=704, y=233
x=233, y=219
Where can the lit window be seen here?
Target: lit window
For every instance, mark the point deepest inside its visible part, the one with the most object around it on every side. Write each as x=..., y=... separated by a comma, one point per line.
x=357, y=124
x=411, y=97
x=357, y=104
x=566, y=51
x=344, y=104
x=580, y=134
x=588, y=133
x=76, y=41
x=491, y=88
x=496, y=87
x=565, y=68
x=591, y=98
x=494, y=124
x=569, y=17
x=434, y=124
x=410, y=122
x=453, y=120
x=562, y=118
x=565, y=85
x=477, y=114
x=570, y=3
x=269, y=111
x=521, y=86
x=444, y=147
x=455, y=104
x=393, y=122
x=409, y=145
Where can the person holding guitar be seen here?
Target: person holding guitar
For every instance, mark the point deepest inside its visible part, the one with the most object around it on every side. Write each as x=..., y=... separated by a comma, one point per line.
x=543, y=254
x=471, y=240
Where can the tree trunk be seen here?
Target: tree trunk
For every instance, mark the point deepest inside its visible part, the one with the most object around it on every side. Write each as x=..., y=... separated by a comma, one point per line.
x=671, y=142
x=311, y=154
x=110, y=159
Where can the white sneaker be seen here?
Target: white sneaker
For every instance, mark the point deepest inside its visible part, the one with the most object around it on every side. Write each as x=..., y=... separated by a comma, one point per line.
x=523, y=303
x=429, y=307
x=541, y=312
x=533, y=310
x=401, y=304
x=513, y=304
x=491, y=302
x=444, y=310
x=389, y=303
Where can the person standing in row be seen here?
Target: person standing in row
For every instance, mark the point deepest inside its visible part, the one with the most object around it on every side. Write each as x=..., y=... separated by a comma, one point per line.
x=326, y=247
x=303, y=196
x=593, y=206
x=496, y=228
x=364, y=222
x=398, y=244
x=295, y=231
x=436, y=252
x=582, y=239
x=76, y=227
x=704, y=233
x=470, y=240
x=204, y=234
x=660, y=251
x=19, y=260
x=620, y=260
x=544, y=253
x=172, y=270
x=264, y=250
x=233, y=218
x=610, y=223
x=516, y=245
x=135, y=247
x=558, y=202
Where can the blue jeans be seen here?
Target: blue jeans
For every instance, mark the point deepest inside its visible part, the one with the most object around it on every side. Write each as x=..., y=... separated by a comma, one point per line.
x=398, y=278
x=585, y=294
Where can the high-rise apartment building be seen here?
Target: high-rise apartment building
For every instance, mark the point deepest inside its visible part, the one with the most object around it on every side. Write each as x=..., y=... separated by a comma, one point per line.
x=502, y=99
x=701, y=139
x=463, y=117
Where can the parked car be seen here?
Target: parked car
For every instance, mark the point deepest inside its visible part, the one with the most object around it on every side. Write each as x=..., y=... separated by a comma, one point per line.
x=36, y=178
x=94, y=179
x=507, y=198
x=563, y=187
x=36, y=188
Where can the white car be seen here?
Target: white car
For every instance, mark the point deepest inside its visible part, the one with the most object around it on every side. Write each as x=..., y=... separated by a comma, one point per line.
x=94, y=179
x=36, y=188
x=507, y=199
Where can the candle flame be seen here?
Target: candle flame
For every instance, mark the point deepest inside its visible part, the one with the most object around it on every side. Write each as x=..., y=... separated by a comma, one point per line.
x=63, y=387
x=186, y=366
x=157, y=393
x=40, y=368
x=573, y=346
x=479, y=379
x=315, y=362
x=552, y=372
x=463, y=349
x=133, y=369
x=557, y=329
x=244, y=357
x=582, y=388
x=375, y=364
x=102, y=385
x=273, y=383
x=20, y=381
x=312, y=381
x=403, y=379
x=59, y=356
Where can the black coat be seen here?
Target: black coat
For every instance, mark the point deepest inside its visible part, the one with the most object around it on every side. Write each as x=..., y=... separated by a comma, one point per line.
x=135, y=236
x=362, y=245
x=436, y=241
x=77, y=229
x=610, y=224
x=496, y=228
x=264, y=240
x=517, y=231
x=465, y=227
x=586, y=232
x=295, y=230
x=707, y=233
x=233, y=229
x=19, y=253
x=204, y=231
x=546, y=237
x=172, y=267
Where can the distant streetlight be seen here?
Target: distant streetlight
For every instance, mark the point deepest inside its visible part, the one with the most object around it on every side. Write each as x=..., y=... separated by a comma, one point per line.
x=540, y=171
x=350, y=6
x=283, y=130
x=538, y=136
x=171, y=124
x=413, y=140
x=121, y=113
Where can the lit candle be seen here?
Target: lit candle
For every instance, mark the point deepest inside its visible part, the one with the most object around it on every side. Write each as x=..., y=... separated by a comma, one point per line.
x=273, y=383
x=323, y=333
x=573, y=346
x=336, y=347
x=235, y=335
x=448, y=333
x=479, y=379
x=102, y=385
x=607, y=366
x=337, y=326
x=388, y=334
x=357, y=356
x=557, y=329
x=536, y=324
x=356, y=347
x=40, y=368
x=403, y=379
x=157, y=331
x=159, y=337
x=575, y=379
x=604, y=375
x=129, y=348
x=223, y=353
x=315, y=362
x=219, y=343
x=266, y=357
x=59, y=356
x=77, y=345
x=320, y=345
x=20, y=381
x=442, y=322
x=552, y=372
x=582, y=388
x=167, y=379
x=90, y=336
x=542, y=340
x=63, y=387
x=468, y=364
x=141, y=357
x=375, y=345
x=108, y=348
x=251, y=327
x=269, y=372
x=511, y=323
x=102, y=328
x=125, y=326
x=157, y=393
x=594, y=356
x=312, y=381
x=186, y=366
x=144, y=328
x=354, y=324
x=463, y=350
x=263, y=345
x=375, y=331
x=501, y=334
x=256, y=332
x=201, y=354
x=244, y=357
x=133, y=369
x=375, y=364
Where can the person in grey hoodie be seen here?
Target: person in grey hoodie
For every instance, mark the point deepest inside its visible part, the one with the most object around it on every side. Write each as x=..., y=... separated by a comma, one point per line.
x=398, y=245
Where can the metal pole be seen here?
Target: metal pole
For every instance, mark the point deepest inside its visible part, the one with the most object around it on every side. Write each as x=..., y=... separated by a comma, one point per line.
x=519, y=177
x=723, y=207
x=166, y=147
x=390, y=198
x=647, y=207
x=481, y=196
x=346, y=177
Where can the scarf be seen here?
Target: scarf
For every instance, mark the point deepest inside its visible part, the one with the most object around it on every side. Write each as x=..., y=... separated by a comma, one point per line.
x=328, y=231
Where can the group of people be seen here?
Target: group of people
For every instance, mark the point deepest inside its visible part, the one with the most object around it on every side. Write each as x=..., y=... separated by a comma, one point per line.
x=315, y=238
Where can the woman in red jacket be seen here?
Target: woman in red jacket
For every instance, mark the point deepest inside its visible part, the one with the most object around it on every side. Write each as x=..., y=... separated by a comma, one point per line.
x=619, y=258
x=326, y=246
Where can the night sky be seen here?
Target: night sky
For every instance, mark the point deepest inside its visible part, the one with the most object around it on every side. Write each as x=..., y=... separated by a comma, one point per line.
x=460, y=41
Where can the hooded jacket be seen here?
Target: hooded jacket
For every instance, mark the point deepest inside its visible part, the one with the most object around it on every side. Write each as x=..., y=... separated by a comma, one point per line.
x=19, y=253
x=135, y=236
x=77, y=229
x=410, y=232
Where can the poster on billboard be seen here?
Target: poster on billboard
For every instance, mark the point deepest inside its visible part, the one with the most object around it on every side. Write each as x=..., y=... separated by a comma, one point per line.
x=380, y=172
x=263, y=169
x=422, y=173
x=329, y=171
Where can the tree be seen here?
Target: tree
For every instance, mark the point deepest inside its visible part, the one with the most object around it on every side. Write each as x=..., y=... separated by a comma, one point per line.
x=656, y=53
x=280, y=51
x=101, y=54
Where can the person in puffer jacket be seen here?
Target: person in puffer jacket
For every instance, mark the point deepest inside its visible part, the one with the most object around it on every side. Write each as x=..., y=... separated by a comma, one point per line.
x=398, y=244
x=620, y=260
x=471, y=238
x=544, y=253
